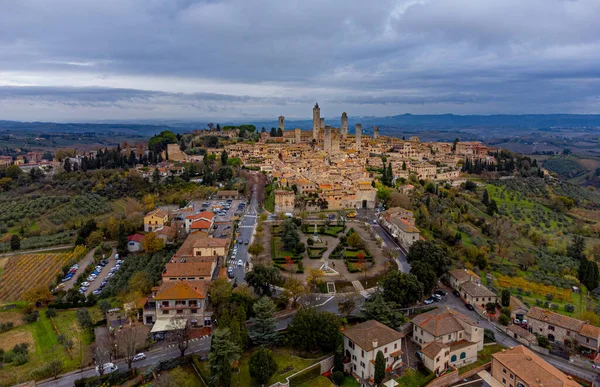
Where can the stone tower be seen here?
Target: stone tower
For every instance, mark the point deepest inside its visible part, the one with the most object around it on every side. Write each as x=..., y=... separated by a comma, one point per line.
x=281, y=123
x=375, y=132
x=358, y=136
x=327, y=139
x=316, y=121
x=322, y=124
x=335, y=140
x=284, y=201
x=298, y=135
x=344, y=126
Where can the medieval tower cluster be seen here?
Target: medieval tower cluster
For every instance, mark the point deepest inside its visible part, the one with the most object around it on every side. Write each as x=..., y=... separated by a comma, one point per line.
x=326, y=137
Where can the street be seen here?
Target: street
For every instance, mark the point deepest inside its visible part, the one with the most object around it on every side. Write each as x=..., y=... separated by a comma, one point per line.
x=246, y=227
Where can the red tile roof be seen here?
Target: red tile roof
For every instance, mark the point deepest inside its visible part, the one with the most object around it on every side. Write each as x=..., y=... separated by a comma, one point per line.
x=135, y=238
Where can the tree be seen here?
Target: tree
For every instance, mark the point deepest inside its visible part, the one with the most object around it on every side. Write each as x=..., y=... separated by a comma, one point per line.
x=311, y=330
x=223, y=353
x=289, y=235
x=121, y=239
x=401, y=288
x=152, y=244
x=314, y=277
x=84, y=318
x=256, y=248
x=294, y=289
x=127, y=340
x=262, y=328
x=180, y=332
x=431, y=253
x=425, y=274
x=15, y=242
x=379, y=367
x=101, y=354
x=104, y=305
x=486, y=198
x=262, y=365
x=55, y=367
x=262, y=277
x=576, y=249
x=354, y=240
x=492, y=207
x=219, y=292
x=504, y=320
x=224, y=157
x=377, y=308
x=39, y=294
x=347, y=304
x=505, y=298
x=141, y=282
x=175, y=378
x=273, y=132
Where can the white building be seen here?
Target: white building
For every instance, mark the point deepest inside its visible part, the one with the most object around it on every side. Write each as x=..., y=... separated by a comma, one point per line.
x=362, y=342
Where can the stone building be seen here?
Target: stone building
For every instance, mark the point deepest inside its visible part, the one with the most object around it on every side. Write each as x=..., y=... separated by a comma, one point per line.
x=344, y=125
x=375, y=132
x=281, y=123
x=358, y=136
x=284, y=201
x=327, y=139
x=316, y=121
x=297, y=135
x=558, y=328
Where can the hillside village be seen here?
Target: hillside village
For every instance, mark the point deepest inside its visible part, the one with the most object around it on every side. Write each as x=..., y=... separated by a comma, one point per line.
x=376, y=260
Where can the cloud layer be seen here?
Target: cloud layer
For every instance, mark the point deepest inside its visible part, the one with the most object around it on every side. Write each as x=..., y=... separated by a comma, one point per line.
x=88, y=60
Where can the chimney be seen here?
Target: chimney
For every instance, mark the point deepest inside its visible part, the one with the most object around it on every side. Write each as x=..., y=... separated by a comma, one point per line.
x=375, y=343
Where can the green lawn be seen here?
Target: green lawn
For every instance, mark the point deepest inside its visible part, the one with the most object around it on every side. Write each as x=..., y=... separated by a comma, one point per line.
x=412, y=378
x=350, y=382
x=321, y=381
x=483, y=356
x=352, y=254
x=284, y=357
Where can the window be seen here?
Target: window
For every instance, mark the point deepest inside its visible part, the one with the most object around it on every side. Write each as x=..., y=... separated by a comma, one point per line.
x=477, y=299
x=568, y=333
x=437, y=359
x=550, y=327
x=503, y=381
x=504, y=370
x=449, y=337
x=351, y=344
x=421, y=331
x=362, y=353
x=180, y=311
x=512, y=376
x=354, y=367
x=385, y=350
x=463, y=355
x=460, y=335
x=362, y=364
x=453, y=358
x=194, y=310
x=165, y=311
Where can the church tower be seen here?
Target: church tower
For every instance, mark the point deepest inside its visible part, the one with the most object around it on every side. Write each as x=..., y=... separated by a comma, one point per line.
x=316, y=121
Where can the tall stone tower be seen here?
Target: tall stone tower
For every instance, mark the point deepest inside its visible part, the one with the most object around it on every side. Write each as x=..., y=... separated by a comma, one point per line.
x=298, y=135
x=316, y=121
x=327, y=139
x=281, y=123
x=335, y=140
x=375, y=132
x=322, y=124
x=358, y=136
x=344, y=126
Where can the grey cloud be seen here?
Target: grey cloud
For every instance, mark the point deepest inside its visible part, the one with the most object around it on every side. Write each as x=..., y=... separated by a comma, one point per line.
x=481, y=56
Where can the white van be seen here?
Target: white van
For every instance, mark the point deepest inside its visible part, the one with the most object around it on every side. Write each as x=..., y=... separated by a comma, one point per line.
x=108, y=368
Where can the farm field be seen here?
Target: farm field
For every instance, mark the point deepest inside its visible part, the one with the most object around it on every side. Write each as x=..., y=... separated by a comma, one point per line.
x=42, y=337
x=23, y=272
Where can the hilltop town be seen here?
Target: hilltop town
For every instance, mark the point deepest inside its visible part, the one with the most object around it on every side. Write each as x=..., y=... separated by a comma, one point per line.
x=391, y=259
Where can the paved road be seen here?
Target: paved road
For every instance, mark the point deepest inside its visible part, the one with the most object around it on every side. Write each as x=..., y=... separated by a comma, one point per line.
x=105, y=270
x=86, y=260
x=370, y=217
x=246, y=227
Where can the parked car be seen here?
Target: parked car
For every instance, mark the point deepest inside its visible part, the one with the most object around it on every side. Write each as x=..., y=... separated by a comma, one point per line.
x=436, y=296
x=85, y=284
x=247, y=241
x=456, y=293
x=469, y=306
x=108, y=368
x=120, y=261
x=428, y=301
x=440, y=292
x=139, y=356
x=230, y=271
x=240, y=263
x=96, y=292
x=83, y=288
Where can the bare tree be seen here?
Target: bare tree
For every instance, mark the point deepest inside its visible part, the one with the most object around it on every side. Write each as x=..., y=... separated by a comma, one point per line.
x=102, y=355
x=127, y=339
x=180, y=332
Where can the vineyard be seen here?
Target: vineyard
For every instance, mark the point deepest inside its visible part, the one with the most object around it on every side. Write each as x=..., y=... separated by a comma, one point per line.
x=23, y=272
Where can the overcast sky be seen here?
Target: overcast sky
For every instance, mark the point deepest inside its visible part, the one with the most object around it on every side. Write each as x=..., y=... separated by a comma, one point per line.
x=78, y=60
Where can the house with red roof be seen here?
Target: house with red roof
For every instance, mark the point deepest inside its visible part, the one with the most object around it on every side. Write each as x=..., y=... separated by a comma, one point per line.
x=202, y=221
x=134, y=243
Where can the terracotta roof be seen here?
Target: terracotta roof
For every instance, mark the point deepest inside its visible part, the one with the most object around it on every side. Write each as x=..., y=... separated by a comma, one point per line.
x=403, y=224
x=135, y=238
x=188, y=269
x=181, y=290
x=211, y=242
x=521, y=332
x=167, y=231
x=365, y=333
x=531, y=368
x=158, y=212
x=200, y=225
x=208, y=215
x=476, y=290
x=590, y=331
x=458, y=345
x=462, y=274
x=432, y=349
x=187, y=248
x=552, y=318
x=439, y=322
